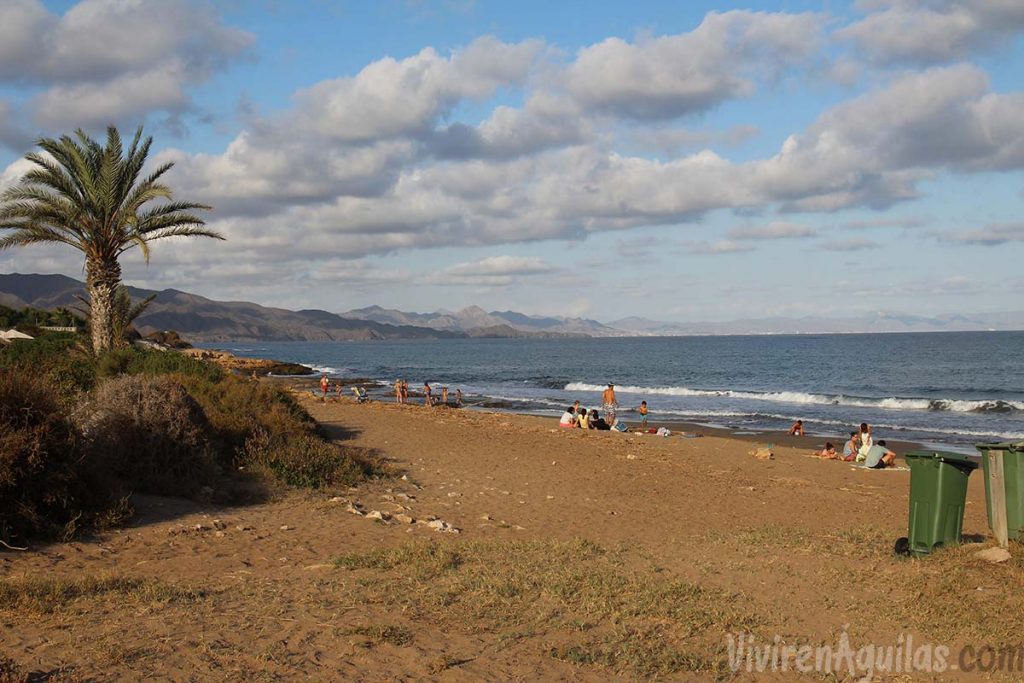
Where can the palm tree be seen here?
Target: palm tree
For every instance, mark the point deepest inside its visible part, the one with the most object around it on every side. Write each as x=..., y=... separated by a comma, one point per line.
x=91, y=197
x=123, y=317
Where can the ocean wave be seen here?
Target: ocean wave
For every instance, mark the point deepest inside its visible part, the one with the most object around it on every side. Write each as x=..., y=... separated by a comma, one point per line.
x=696, y=415
x=803, y=398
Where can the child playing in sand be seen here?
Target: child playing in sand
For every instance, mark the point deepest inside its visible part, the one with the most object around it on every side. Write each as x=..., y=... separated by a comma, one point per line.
x=643, y=414
x=827, y=453
x=866, y=442
x=797, y=429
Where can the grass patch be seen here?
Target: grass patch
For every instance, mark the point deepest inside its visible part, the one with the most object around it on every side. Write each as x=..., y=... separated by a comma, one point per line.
x=46, y=595
x=638, y=622
x=376, y=635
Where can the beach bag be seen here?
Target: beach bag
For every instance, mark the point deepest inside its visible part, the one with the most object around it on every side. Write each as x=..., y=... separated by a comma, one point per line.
x=620, y=427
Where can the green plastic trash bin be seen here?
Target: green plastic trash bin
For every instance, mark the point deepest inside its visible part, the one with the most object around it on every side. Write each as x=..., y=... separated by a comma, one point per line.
x=1013, y=484
x=938, y=492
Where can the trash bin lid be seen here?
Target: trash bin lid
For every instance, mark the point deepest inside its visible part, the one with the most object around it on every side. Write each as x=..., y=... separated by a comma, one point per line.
x=1001, y=446
x=945, y=456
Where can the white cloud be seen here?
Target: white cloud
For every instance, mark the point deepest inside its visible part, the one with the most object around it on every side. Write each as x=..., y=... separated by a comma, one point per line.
x=992, y=235
x=933, y=31
x=775, y=230
x=113, y=61
x=672, y=76
x=392, y=98
x=492, y=271
x=854, y=244
x=721, y=247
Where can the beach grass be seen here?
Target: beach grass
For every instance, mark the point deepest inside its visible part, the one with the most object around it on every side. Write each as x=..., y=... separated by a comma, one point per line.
x=590, y=605
x=45, y=595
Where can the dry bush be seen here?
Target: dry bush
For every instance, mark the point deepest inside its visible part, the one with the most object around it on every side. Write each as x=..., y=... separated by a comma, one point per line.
x=44, y=487
x=150, y=434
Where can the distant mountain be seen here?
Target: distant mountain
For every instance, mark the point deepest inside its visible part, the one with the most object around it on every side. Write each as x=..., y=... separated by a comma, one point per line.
x=476, y=318
x=877, y=322
x=206, y=320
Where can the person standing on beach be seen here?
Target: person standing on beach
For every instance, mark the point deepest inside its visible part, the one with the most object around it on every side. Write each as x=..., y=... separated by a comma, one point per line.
x=458, y=398
x=426, y=395
x=405, y=391
x=643, y=414
x=611, y=404
x=444, y=396
x=398, y=391
x=325, y=386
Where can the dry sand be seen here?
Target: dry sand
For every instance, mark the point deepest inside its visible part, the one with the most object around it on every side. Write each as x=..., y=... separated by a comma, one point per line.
x=799, y=546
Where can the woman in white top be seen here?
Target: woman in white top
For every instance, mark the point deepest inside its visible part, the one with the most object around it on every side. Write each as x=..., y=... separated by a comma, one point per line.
x=865, y=441
x=568, y=419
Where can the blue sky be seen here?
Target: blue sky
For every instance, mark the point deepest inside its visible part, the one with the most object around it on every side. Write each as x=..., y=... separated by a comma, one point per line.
x=672, y=160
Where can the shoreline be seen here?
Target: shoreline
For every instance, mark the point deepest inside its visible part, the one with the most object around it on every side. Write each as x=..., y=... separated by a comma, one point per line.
x=811, y=442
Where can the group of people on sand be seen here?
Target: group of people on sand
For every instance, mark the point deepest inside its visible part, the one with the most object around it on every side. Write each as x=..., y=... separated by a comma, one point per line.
x=576, y=416
x=860, y=448
x=326, y=390
x=401, y=391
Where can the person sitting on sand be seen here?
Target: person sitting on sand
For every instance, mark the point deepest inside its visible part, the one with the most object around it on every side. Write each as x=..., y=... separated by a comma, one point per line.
x=582, y=421
x=568, y=420
x=338, y=389
x=597, y=422
x=866, y=442
x=879, y=457
x=827, y=453
x=643, y=414
x=851, y=447
x=797, y=429
x=361, y=396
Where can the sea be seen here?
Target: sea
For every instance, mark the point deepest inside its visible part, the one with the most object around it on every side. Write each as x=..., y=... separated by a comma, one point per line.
x=947, y=390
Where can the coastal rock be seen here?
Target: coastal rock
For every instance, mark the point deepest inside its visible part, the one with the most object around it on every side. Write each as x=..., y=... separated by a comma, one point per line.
x=377, y=514
x=404, y=519
x=442, y=526
x=354, y=509
x=285, y=527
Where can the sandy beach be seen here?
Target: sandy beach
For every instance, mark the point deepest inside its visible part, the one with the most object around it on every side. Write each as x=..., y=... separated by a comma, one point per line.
x=579, y=556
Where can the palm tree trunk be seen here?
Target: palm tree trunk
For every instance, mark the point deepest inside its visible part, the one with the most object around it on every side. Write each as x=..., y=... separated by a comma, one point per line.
x=102, y=278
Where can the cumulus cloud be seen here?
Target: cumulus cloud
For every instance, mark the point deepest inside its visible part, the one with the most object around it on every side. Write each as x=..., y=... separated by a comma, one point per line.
x=775, y=230
x=391, y=98
x=109, y=61
x=933, y=31
x=671, y=76
x=883, y=223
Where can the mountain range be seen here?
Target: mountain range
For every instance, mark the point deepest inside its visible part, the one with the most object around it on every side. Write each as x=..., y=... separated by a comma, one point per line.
x=205, y=320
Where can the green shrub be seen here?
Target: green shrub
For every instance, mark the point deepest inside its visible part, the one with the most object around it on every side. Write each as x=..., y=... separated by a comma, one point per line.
x=150, y=434
x=237, y=408
x=45, y=487
x=57, y=358
x=305, y=461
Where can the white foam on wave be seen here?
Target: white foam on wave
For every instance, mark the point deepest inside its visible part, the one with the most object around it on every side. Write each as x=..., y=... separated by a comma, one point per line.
x=803, y=398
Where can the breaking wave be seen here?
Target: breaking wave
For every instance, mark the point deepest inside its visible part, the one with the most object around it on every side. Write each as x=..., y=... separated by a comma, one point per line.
x=802, y=398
